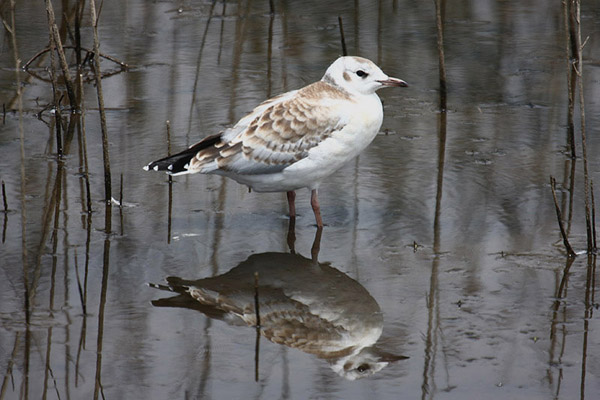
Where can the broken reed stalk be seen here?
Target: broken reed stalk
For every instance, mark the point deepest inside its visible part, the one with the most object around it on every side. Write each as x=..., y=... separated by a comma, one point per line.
x=344, y=50
x=586, y=179
x=56, y=43
x=440, y=6
x=563, y=234
x=86, y=170
x=570, y=54
x=107, y=176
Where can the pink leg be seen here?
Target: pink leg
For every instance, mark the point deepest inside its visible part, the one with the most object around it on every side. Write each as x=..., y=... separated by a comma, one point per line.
x=314, y=202
x=291, y=196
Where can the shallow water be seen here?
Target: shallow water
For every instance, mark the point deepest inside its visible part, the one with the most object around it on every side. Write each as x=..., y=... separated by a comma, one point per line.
x=441, y=248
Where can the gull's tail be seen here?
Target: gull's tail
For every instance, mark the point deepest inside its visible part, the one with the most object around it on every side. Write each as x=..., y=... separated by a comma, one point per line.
x=205, y=301
x=178, y=164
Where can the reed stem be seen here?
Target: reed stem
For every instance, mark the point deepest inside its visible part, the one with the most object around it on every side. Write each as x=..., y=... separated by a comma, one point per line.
x=98, y=77
x=570, y=251
x=342, y=37
x=4, y=201
x=56, y=43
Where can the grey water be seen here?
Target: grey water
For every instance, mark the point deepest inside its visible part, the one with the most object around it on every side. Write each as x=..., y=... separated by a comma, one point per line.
x=441, y=259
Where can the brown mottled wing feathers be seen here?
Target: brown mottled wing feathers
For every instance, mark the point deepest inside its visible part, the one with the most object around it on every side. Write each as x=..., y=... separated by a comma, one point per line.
x=280, y=135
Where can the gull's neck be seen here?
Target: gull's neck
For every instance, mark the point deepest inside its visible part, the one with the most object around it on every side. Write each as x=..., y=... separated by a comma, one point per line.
x=328, y=79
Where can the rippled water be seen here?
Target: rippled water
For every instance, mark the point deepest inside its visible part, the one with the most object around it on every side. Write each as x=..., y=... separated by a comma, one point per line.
x=443, y=248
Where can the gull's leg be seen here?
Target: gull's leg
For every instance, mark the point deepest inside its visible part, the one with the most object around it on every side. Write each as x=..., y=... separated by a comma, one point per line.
x=291, y=196
x=316, y=247
x=314, y=202
x=291, y=236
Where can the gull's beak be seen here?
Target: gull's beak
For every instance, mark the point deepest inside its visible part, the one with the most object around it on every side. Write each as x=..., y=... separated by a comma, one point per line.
x=393, y=82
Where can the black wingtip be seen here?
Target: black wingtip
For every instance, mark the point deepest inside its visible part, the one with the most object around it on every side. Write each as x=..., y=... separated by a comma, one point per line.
x=179, y=163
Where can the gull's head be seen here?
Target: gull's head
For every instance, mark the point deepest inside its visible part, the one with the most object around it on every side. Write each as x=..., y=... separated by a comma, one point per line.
x=359, y=75
x=365, y=362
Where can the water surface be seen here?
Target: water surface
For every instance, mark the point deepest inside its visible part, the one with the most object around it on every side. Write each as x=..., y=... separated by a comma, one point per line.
x=450, y=243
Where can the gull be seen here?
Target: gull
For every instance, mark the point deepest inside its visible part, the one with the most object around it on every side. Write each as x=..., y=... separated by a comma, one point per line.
x=333, y=317
x=297, y=139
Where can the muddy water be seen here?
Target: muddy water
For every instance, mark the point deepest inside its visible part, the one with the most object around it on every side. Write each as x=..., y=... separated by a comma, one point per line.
x=441, y=242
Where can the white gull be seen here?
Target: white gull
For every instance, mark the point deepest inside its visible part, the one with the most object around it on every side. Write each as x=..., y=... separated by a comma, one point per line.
x=296, y=139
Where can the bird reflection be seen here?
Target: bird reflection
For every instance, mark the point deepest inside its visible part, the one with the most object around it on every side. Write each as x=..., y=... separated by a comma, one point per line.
x=301, y=303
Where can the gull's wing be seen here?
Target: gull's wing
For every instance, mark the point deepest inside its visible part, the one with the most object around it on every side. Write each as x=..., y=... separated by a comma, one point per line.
x=277, y=133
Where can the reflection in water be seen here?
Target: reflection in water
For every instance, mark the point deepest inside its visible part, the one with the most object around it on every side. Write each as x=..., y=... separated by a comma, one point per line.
x=489, y=302
x=302, y=304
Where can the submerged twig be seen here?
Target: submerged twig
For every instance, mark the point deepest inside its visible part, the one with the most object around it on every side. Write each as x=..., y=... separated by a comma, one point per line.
x=89, y=55
x=563, y=234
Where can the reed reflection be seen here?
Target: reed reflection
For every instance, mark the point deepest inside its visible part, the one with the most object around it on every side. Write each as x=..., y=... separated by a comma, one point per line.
x=301, y=303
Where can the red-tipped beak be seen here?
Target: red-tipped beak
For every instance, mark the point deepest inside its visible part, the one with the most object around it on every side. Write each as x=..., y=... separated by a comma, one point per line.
x=393, y=82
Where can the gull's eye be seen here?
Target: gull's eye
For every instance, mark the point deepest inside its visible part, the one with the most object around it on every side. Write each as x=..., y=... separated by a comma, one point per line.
x=361, y=73
x=363, y=368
